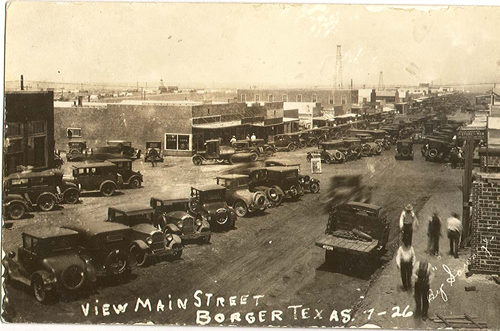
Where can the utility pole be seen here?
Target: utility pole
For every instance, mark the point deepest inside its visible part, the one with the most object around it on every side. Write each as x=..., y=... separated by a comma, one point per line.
x=338, y=75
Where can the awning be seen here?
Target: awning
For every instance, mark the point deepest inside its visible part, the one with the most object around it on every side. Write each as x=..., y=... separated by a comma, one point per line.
x=262, y=124
x=290, y=119
x=218, y=125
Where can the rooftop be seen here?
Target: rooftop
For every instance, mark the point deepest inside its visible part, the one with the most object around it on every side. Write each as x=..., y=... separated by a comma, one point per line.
x=49, y=232
x=132, y=208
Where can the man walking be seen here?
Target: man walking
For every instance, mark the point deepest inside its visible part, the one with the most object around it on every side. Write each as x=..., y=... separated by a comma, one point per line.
x=405, y=259
x=406, y=223
x=434, y=233
x=454, y=226
x=423, y=274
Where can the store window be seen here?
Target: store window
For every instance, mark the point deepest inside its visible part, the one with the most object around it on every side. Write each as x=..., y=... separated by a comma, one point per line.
x=330, y=100
x=315, y=98
x=243, y=98
x=299, y=98
x=284, y=98
x=177, y=142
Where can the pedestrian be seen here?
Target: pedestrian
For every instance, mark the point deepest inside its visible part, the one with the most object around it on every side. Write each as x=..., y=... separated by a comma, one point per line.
x=455, y=228
x=407, y=221
x=434, y=233
x=248, y=136
x=233, y=140
x=422, y=271
x=454, y=157
x=253, y=137
x=153, y=155
x=405, y=259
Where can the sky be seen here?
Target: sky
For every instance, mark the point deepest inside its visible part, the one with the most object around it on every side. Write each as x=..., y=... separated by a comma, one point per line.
x=242, y=45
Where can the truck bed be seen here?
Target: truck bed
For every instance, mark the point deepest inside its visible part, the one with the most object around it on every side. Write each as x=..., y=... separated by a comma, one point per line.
x=332, y=242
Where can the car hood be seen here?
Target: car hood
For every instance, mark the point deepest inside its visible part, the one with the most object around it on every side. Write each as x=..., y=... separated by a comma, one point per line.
x=212, y=207
x=59, y=263
x=243, y=194
x=145, y=228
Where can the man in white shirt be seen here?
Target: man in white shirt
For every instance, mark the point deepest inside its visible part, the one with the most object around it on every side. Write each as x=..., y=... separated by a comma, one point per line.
x=455, y=228
x=406, y=222
x=253, y=137
x=422, y=271
x=405, y=259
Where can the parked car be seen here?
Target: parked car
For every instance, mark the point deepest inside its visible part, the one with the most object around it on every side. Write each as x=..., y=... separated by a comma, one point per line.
x=153, y=151
x=258, y=146
x=102, y=153
x=173, y=216
x=125, y=146
x=49, y=263
x=352, y=148
x=44, y=189
x=404, y=150
x=285, y=180
x=289, y=141
x=105, y=246
x=132, y=179
x=222, y=154
x=330, y=152
x=147, y=240
x=77, y=150
x=97, y=176
x=209, y=203
x=368, y=145
x=308, y=183
x=355, y=229
x=239, y=196
x=436, y=150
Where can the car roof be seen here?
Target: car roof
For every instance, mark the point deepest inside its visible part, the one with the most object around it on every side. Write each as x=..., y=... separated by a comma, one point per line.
x=93, y=164
x=232, y=176
x=93, y=228
x=351, y=139
x=132, y=209
x=172, y=201
x=77, y=140
x=209, y=187
x=34, y=174
x=282, y=162
x=329, y=142
x=280, y=169
x=118, y=141
x=363, y=205
x=49, y=232
x=119, y=160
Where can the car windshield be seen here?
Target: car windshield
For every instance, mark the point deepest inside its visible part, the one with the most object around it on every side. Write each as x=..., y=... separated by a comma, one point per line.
x=212, y=196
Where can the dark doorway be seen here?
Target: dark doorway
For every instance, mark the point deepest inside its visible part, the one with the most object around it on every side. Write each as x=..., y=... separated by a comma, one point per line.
x=39, y=150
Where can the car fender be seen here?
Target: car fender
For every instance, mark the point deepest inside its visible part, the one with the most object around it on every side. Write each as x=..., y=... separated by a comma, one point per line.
x=141, y=244
x=172, y=228
x=47, y=277
x=135, y=176
x=175, y=240
x=90, y=268
x=11, y=198
x=244, y=195
x=107, y=181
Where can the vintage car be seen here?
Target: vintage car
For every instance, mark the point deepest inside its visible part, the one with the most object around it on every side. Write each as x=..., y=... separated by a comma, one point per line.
x=404, y=150
x=153, y=151
x=102, y=153
x=285, y=180
x=209, y=203
x=308, y=183
x=125, y=148
x=352, y=148
x=239, y=196
x=315, y=136
x=330, y=152
x=97, y=176
x=77, y=150
x=258, y=146
x=44, y=189
x=368, y=145
x=173, y=216
x=355, y=229
x=105, y=246
x=49, y=263
x=132, y=179
x=289, y=141
x=222, y=154
x=147, y=240
x=436, y=150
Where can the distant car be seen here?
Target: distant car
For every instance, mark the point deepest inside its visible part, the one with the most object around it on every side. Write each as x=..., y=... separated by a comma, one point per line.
x=330, y=152
x=97, y=176
x=173, y=216
x=285, y=180
x=239, y=196
x=208, y=202
x=353, y=148
x=148, y=241
x=307, y=183
x=153, y=151
x=132, y=179
x=49, y=263
x=125, y=147
x=77, y=150
x=289, y=141
x=404, y=150
x=105, y=246
x=218, y=153
x=44, y=189
x=258, y=146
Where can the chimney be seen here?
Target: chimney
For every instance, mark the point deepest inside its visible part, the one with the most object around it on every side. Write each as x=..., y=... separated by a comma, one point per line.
x=22, y=82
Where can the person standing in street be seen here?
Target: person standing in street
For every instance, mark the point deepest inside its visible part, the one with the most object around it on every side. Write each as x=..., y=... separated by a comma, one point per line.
x=454, y=226
x=405, y=259
x=422, y=272
x=233, y=140
x=434, y=233
x=253, y=137
x=407, y=220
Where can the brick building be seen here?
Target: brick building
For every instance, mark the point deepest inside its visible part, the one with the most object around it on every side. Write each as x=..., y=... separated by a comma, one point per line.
x=328, y=98
x=485, y=223
x=29, y=130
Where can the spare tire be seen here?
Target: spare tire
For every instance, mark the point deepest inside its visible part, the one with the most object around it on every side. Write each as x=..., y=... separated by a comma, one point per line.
x=274, y=196
x=339, y=156
x=73, y=277
x=259, y=199
x=405, y=151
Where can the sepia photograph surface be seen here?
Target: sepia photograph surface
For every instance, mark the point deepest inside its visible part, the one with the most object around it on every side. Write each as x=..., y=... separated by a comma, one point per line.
x=251, y=165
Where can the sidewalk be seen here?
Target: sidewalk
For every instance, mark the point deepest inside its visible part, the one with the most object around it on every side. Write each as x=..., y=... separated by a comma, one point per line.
x=450, y=298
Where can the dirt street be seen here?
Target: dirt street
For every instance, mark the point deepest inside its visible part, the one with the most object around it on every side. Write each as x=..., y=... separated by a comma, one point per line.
x=271, y=255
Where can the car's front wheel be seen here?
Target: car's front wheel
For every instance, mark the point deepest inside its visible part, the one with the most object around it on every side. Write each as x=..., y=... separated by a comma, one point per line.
x=139, y=255
x=314, y=187
x=71, y=196
x=135, y=183
x=108, y=189
x=46, y=202
x=16, y=210
x=41, y=293
x=240, y=208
